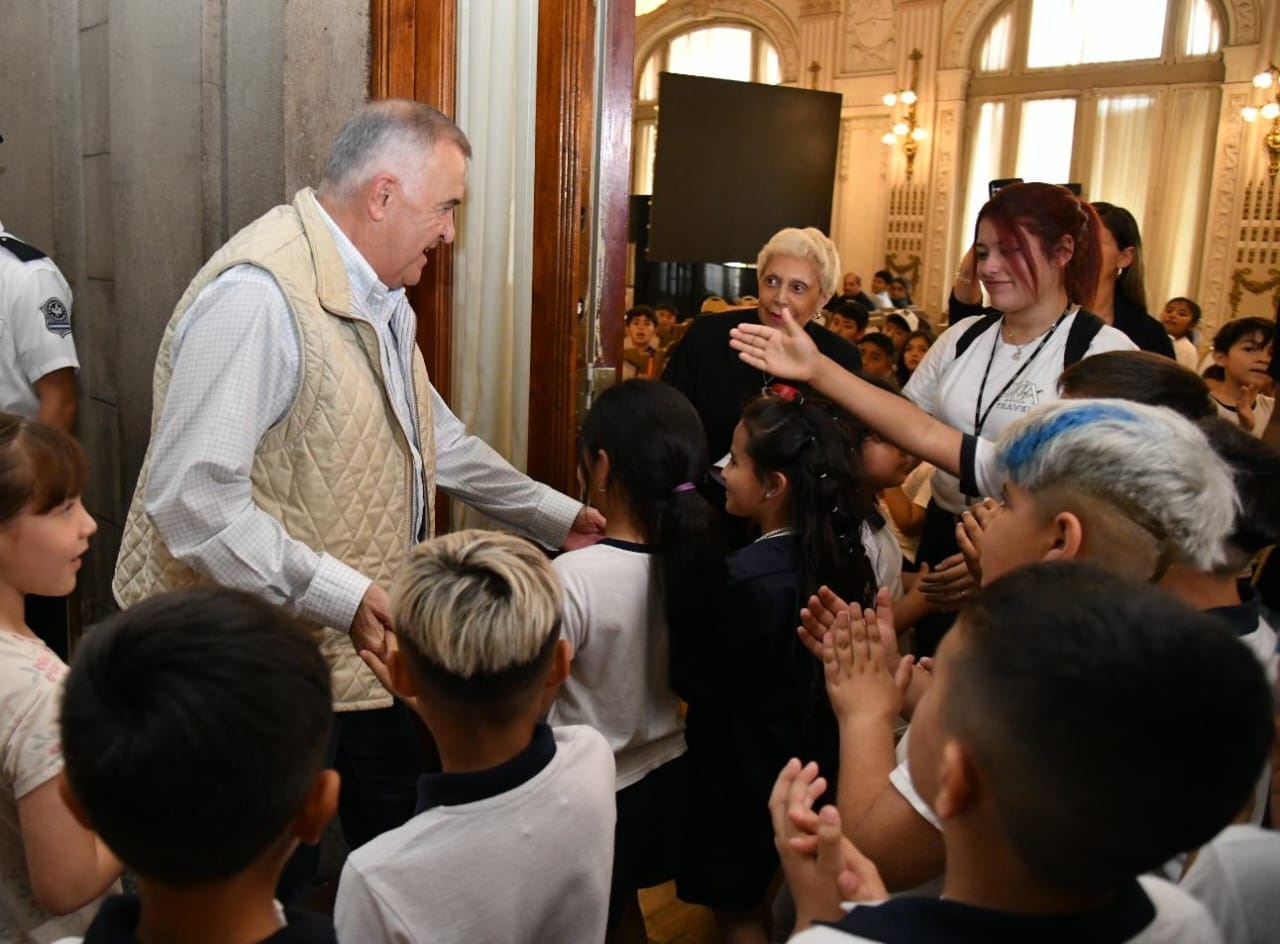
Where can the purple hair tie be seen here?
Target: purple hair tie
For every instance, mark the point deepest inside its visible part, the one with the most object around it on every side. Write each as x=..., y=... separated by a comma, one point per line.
x=683, y=487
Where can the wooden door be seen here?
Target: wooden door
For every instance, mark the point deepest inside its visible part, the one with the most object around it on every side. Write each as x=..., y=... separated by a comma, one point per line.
x=578, y=282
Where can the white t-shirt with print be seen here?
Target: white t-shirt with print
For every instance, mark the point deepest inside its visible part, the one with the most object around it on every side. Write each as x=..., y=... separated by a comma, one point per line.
x=30, y=755
x=948, y=387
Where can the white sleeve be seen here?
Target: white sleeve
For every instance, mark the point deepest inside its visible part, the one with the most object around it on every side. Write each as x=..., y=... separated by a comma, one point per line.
x=360, y=914
x=900, y=777
x=471, y=470
x=40, y=320
x=235, y=369
x=574, y=625
x=922, y=388
x=981, y=472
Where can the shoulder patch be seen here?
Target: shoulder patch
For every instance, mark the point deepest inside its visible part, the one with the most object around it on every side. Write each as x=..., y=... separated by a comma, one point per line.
x=56, y=317
x=20, y=250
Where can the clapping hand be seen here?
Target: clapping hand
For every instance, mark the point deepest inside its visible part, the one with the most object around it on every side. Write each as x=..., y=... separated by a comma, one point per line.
x=823, y=868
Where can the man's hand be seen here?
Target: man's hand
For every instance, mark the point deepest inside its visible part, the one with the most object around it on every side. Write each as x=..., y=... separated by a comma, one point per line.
x=786, y=352
x=588, y=528
x=821, y=865
x=372, y=623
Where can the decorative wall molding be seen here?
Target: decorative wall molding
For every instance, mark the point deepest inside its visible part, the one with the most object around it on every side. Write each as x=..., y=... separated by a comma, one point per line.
x=870, y=37
x=958, y=37
x=848, y=126
x=819, y=7
x=1221, y=222
x=1243, y=21
x=942, y=211
x=1244, y=18
x=680, y=15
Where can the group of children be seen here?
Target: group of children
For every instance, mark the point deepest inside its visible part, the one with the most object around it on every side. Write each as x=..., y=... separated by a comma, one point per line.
x=629, y=713
x=1237, y=367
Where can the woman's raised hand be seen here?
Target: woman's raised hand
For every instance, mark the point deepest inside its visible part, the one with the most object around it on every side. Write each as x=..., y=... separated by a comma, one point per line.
x=786, y=352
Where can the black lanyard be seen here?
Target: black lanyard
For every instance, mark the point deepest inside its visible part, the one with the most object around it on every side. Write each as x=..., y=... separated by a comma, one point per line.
x=979, y=417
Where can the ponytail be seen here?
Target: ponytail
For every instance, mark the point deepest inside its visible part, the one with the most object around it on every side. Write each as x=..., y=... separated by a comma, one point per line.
x=657, y=452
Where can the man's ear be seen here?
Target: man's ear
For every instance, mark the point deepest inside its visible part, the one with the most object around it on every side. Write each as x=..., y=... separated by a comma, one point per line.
x=69, y=798
x=318, y=807
x=378, y=193
x=1068, y=536
x=957, y=782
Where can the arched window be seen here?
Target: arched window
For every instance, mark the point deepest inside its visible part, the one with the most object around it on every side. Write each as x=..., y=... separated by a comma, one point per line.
x=724, y=51
x=1120, y=96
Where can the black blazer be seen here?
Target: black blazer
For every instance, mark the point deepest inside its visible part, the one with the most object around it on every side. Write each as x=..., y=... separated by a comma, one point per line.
x=706, y=370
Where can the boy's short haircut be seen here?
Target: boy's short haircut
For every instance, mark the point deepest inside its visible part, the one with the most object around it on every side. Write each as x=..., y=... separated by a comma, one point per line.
x=855, y=312
x=667, y=306
x=477, y=614
x=1233, y=332
x=897, y=321
x=882, y=341
x=1255, y=468
x=1144, y=464
x=641, y=311
x=884, y=275
x=1142, y=377
x=193, y=727
x=1114, y=725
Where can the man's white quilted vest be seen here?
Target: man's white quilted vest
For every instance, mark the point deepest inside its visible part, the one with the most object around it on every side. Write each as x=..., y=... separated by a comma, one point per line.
x=336, y=471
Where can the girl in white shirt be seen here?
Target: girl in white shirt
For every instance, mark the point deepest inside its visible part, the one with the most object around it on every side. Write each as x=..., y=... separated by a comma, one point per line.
x=637, y=605
x=49, y=863
x=1180, y=318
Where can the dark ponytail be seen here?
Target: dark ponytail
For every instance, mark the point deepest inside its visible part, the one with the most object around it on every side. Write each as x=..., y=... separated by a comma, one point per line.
x=657, y=459
x=829, y=506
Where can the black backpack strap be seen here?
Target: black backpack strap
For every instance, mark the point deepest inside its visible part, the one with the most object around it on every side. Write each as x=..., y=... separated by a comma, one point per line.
x=976, y=330
x=1084, y=329
x=23, y=251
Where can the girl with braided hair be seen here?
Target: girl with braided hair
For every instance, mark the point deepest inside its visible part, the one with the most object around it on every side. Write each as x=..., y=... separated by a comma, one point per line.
x=792, y=475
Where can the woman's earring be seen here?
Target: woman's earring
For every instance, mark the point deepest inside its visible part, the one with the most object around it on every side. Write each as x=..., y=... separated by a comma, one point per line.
x=1119, y=271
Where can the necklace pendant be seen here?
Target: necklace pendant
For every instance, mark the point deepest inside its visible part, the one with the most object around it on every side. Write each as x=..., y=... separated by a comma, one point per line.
x=1017, y=354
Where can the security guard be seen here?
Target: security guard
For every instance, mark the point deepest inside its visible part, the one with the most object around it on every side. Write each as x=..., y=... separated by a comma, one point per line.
x=37, y=376
x=37, y=353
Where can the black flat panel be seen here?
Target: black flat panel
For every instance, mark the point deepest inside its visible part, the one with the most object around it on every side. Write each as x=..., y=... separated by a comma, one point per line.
x=735, y=163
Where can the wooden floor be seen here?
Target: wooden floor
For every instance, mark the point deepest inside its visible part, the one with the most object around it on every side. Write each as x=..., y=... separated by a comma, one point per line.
x=668, y=920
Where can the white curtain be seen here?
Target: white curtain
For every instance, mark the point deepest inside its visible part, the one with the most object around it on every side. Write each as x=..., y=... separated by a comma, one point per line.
x=1120, y=171
x=493, y=274
x=984, y=165
x=1172, y=231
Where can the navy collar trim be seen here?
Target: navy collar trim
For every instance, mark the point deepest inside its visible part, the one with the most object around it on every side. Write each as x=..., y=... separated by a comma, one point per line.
x=949, y=922
x=629, y=546
x=117, y=923
x=448, y=789
x=1243, y=617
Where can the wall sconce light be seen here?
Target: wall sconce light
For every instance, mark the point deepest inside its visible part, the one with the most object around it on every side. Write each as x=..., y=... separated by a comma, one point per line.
x=905, y=128
x=1269, y=79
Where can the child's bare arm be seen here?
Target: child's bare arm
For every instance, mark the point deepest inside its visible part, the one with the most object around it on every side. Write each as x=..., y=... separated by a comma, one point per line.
x=906, y=514
x=69, y=865
x=905, y=847
x=866, y=697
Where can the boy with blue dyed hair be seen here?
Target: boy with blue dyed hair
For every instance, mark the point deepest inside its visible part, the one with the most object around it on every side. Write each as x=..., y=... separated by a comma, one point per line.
x=1132, y=487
